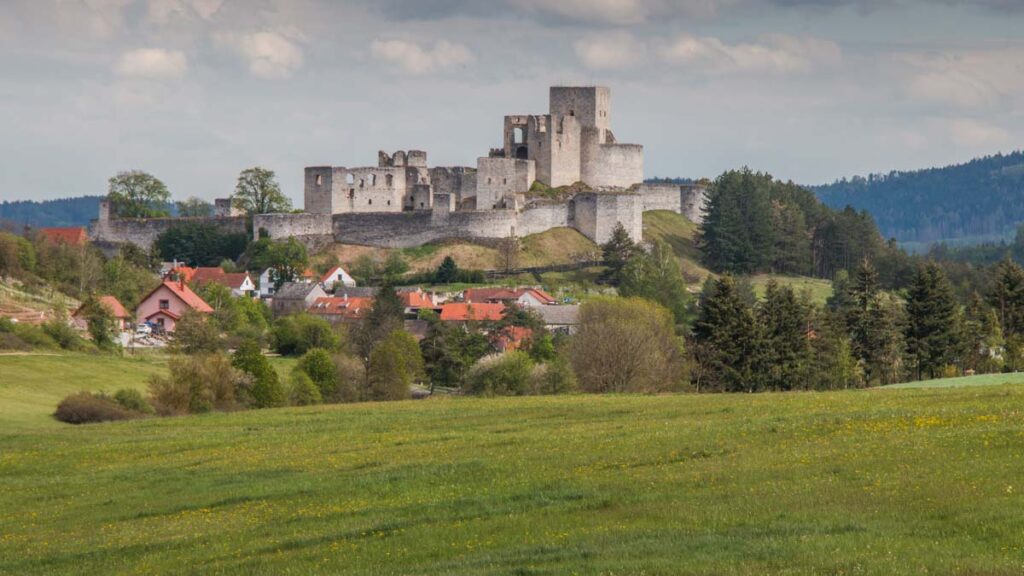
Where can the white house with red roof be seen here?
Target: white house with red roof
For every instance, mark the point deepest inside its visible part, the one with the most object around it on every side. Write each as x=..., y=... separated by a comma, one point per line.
x=337, y=277
x=167, y=303
x=240, y=283
x=524, y=297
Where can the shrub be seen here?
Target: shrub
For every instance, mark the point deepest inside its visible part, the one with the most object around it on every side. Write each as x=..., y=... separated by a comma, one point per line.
x=199, y=383
x=302, y=391
x=85, y=408
x=555, y=377
x=351, y=377
x=266, y=391
x=131, y=399
x=296, y=334
x=317, y=364
x=508, y=374
x=34, y=336
x=196, y=333
x=395, y=364
x=63, y=334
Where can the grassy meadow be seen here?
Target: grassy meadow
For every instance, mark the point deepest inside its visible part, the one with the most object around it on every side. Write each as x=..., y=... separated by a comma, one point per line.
x=858, y=482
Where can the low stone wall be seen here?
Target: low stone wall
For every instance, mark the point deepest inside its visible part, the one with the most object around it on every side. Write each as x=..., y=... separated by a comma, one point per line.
x=143, y=232
x=313, y=230
x=685, y=199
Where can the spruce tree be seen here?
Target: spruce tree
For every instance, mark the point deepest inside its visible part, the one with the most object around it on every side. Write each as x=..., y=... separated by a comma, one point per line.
x=728, y=335
x=933, y=339
x=1007, y=297
x=785, y=323
x=617, y=252
x=874, y=327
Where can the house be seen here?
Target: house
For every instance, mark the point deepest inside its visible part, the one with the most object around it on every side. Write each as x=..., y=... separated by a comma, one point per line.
x=121, y=316
x=337, y=309
x=266, y=288
x=415, y=299
x=167, y=303
x=73, y=236
x=511, y=338
x=337, y=277
x=560, y=319
x=295, y=297
x=472, y=312
x=240, y=283
x=524, y=297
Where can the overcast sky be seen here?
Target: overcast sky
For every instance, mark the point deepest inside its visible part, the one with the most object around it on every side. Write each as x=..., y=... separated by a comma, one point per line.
x=194, y=91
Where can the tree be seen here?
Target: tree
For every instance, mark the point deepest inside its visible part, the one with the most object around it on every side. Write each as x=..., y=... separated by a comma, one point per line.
x=730, y=339
x=508, y=374
x=302, y=391
x=194, y=207
x=394, y=267
x=198, y=383
x=616, y=252
x=933, y=327
x=508, y=253
x=196, y=333
x=317, y=364
x=873, y=324
x=386, y=316
x=449, y=351
x=656, y=276
x=625, y=345
x=101, y=323
x=257, y=192
x=266, y=387
x=296, y=334
x=199, y=243
x=395, y=363
x=1006, y=296
x=286, y=259
x=447, y=271
x=136, y=194
x=785, y=328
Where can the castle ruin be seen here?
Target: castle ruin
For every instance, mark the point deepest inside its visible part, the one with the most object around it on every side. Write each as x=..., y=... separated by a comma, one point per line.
x=561, y=169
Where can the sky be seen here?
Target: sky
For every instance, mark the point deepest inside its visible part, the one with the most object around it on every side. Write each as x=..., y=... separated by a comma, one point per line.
x=194, y=91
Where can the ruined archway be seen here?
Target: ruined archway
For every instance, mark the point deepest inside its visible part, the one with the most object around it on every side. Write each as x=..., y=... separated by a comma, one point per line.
x=522, y=153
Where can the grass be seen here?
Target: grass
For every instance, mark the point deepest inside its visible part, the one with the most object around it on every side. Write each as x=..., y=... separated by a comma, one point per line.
x=681, y=234
x=819, y=290
x=855, y=482
x=979, y=380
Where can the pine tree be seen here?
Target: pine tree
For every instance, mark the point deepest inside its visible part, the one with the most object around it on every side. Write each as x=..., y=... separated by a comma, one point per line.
x=933, y=339
x=874, y=327
x=728, y=334
x=1007, y=297
x=982, y=338
x=785, y=323
x=617, y=252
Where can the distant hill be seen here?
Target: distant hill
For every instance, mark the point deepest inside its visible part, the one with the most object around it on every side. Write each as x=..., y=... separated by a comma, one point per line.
x=61, y=212
x=980, y=200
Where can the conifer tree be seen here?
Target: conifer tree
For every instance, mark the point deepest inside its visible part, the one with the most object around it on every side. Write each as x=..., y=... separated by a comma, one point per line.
x=982, y=338
x=656, y=276
x=873, y=325
x=1007, y=297
x=933, y=339
x=617, y=252
x=785, y=323
x=727, y=332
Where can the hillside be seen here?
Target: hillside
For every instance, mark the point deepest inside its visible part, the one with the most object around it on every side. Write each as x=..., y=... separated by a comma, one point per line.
x=61, y=212
x=980, y=200
x=872, y=482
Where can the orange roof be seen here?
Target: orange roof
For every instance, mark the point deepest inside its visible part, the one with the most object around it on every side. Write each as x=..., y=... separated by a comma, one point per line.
x=203, y=275
x=463, y=311
x=75, y=236
x=505, y=294
x=181, y=290
x=512, y=338
x=415, y=300
x=113, y=305
x=330, y=273
x=340, y=306
x=183, y=272
x=541, y=295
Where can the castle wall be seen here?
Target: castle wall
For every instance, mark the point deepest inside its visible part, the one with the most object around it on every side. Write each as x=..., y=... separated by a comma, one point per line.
x=501, y=178
x=459, y=181
x=313, y=230
x=143, y=232
x=685, y=199
x=540, y=146
x=592, y=105
x=611, y=165
x=542, y=218
x=319, y=195
x=563, y=151
x=369, y=189
x=596, y=214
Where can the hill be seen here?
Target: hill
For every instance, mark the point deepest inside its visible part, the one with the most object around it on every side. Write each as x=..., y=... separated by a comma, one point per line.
x=980, y=200
x=61, y=212
x=883, y=481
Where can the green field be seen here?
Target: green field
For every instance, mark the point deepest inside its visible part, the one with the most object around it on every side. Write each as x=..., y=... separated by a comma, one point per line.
x=980, y=380
x=858, y=482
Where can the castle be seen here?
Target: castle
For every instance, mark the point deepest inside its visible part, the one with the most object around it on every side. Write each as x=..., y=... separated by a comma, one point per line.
x=561, y=169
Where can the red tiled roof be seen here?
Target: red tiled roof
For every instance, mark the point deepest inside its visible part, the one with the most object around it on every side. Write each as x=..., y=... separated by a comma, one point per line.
x=111, y=304
x=340, y=306
x=183, y=272
x=541, y=295
x=75, y=236
x=463, y=311
x=233, y=280
x=415, y=300
x=505, y=294
x=167, y=313
x=512, y=338
x=186, y=294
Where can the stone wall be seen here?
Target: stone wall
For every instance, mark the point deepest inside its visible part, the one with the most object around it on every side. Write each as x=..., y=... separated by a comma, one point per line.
x=144, y=232
x=313, y=230
x=458, y=181
x=685, y=199
x=563, y=151
x=611, y=165
x=590, y=104
x=501, y=178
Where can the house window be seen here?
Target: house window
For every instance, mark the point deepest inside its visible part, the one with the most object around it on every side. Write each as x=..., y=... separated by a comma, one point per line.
x=165, y=304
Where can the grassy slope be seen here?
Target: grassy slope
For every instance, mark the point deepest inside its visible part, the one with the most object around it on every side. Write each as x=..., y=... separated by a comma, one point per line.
x=872, y=482
x=32, y=385
x=819, y=290
x=979, y=380
x=681, y=234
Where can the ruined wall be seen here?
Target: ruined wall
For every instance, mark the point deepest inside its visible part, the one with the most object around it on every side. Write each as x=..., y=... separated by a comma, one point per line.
x=686, y=199
x=370, y=189
x=498, y=179
x=590, y=104
x=541, y=218
x=540, y=146
x=319, y=194
x=563, y=151
x=409, y=229
x=610, y=165
x=313, y=230
x=144, y=232
x=459, y=181
x=596, y=214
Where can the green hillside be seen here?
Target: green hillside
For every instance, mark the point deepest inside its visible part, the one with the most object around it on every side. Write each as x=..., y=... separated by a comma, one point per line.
x=855, y=482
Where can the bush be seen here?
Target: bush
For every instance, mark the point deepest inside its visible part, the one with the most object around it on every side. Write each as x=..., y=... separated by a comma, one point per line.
x=351, y=377
x=85, y=408
x=302, y=391
x=508, y=374
x=266, y=391
x=395, y=363
x=555, y=377
x=317, y=364
x=131, y=399
x=34, y=336
x=296, y=334
x=196, y=333
x=63, y=334
x=199, y=383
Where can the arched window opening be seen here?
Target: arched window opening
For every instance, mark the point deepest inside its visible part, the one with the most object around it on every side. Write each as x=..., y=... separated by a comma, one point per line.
x=518, y=136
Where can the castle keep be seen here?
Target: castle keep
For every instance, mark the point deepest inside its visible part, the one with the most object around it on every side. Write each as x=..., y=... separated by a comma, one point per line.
x=402, y=202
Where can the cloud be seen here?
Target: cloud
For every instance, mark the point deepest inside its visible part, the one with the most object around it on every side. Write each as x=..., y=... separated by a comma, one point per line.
x=153, y=63
x=100, y=18
x=977, y=134
x=161, y=11
x=612, y=51
x=415, y=59
x=270, y=55
x=617, y=12
x=955, y=88
x=777, y=53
